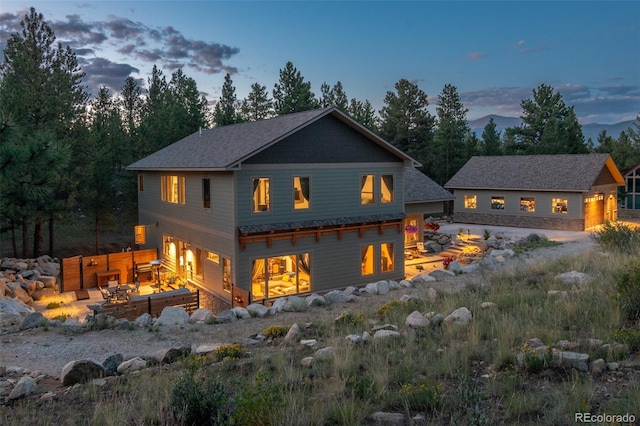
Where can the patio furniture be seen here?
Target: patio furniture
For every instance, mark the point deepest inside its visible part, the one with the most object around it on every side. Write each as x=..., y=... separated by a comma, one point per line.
x=106, y=294
x=420, y=248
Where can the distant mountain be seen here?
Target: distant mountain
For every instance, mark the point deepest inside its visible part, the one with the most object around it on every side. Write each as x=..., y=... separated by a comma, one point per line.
x=588, y=130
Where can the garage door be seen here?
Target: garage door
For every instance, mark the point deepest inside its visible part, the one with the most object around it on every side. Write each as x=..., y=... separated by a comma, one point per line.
x=593, y=211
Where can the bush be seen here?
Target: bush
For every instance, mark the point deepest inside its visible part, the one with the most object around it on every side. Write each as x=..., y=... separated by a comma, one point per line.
x=260, y=402
x=233, y=351
x=274, y=331
x=199, y=402
x=628, y=336
x=617, y=236
x=53, y=305
x=421, y=396
x=628, y=289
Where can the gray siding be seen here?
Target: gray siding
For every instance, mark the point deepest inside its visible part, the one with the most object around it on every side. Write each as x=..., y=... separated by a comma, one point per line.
x=327, y=140
x=512, y=203
x=334, y=263
x=335, y=191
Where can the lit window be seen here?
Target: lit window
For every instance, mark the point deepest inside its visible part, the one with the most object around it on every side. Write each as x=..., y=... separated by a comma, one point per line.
x=213, y=257
x=366, y=189
x=301, y=192
x=470, y=201
x=386, y=257
x=280, y=275
x=206, y=193
x=172, y=189
x=386, y=189
x=527, y=204
x=497, y=203
x=226, y=274
x=411, y=231
x=261, y=202
x=559, y=205
x=367, y=260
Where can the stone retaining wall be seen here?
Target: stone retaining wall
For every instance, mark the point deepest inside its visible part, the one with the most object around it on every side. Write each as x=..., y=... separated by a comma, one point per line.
x=561, y=224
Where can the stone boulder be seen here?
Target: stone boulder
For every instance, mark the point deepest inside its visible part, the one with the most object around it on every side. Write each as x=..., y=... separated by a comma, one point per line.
x=81, y=371
x=26, y=386
x=200, y=316
x=173, y=315
x=131, y=365
x=11, y=313
x=111, y=364
x=171, y=355
x=33, y=320
x=459, y=317
x=258, y=310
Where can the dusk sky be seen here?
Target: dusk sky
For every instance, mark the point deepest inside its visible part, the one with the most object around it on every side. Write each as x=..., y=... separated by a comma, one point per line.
x=495, y=53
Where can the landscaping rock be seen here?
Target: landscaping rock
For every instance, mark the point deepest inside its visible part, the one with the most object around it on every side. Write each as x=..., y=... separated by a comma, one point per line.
x=173, y=315
x=26, y=386
x=81, y=371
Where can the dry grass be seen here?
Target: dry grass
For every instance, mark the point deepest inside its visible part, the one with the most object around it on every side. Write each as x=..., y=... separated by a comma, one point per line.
x=450, y=375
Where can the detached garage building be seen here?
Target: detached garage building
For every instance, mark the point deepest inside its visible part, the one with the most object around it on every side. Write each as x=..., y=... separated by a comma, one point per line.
x=568, y=191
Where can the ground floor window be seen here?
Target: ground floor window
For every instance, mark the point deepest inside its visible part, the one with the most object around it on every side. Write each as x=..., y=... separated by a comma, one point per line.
x=366, y=253
x=280, y=275
x=497, y=203
x=527, y=204
x=226, y=274
x=470, y=201
x=386, y=257
x=559, y=205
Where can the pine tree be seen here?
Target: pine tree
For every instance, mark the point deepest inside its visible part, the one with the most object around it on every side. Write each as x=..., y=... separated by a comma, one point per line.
x=291, y=93
x=225, y=110
x=363, y=113
x=548, y=126
x=257, y=105
x=450, y=135
x=334, y=97
x=41, y=87
x=406, y=123
x=490, y=139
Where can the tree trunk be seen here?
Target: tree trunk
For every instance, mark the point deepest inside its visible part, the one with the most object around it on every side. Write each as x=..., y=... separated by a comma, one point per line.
x=51, y=228
x=25, y=237
x=38, y=236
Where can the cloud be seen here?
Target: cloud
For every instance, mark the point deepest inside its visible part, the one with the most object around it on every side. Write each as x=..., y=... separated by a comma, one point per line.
x=103, y=72
x=474, y=56
x=136, y=44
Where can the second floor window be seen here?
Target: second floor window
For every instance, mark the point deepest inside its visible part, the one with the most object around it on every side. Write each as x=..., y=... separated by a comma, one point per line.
x=386, y=189
x=206, y=193
x=366, y=189
x=172, y=189
x=261, y=197
x=301, y=193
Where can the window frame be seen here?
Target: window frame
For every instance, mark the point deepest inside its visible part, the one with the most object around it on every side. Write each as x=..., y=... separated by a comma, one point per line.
x=206, y=193
x=497, y=202
x=174, y=185
x=363, y=182
x=526, y=203
x=470, y=202
x=255, y=204
x=555, y=202
x=305, y=203
x=382, y=187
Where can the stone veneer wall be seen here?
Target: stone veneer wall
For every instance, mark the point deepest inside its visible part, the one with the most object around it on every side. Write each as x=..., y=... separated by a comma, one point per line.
x=520, y=221
x=628, y=214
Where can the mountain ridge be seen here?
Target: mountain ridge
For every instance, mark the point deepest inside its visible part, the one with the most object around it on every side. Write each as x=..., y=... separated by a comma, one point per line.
x=591, y=130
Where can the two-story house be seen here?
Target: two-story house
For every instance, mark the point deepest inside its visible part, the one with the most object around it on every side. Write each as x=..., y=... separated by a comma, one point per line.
x=304, y=202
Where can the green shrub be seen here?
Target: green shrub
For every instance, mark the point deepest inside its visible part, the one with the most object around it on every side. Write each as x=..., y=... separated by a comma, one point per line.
x=259, y=402
x=421, y=396
x=233, y=351
x=274, y=331
x=199, y=402
x=628, y=290
x=618, y=236
x=629, y=336
x=349, y=318
x=53, y=305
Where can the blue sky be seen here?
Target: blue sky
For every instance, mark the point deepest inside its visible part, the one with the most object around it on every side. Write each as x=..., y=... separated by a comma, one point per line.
x=495, y=53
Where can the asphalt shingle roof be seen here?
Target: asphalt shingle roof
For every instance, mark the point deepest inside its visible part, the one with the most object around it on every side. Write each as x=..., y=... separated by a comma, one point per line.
x=224, y=147
x=564, y=172
x=418, y=187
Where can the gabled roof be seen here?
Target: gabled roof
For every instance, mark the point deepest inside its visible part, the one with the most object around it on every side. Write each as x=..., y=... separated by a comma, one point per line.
x=419, y=188
x=224, y=148
x=630, y=170
x=564, y=172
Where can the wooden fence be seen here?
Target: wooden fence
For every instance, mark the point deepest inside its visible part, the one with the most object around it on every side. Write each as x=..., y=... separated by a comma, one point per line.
x=81, y=272
x=153, y=304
